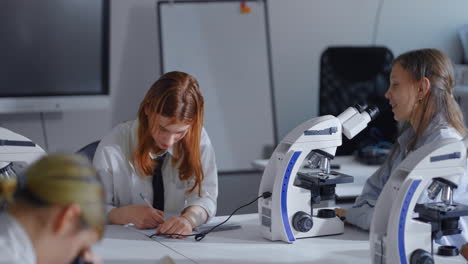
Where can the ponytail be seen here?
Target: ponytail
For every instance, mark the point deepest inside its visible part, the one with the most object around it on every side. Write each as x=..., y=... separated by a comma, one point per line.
x=65, y=179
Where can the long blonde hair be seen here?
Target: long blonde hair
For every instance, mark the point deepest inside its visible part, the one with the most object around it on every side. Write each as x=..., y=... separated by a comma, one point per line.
x=437, y=68
x=65, y=179
x=176, y=95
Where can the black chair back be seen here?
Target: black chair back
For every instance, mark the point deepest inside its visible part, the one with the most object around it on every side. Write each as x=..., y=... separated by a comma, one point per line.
x=89, y=150
x=351, y=75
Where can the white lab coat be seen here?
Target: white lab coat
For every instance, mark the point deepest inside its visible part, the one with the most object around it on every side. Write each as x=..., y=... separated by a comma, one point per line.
x=363, y=209
x=123, y=183
x=15, y=245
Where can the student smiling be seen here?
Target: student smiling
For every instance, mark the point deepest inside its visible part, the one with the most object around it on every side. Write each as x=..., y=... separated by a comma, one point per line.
x=421, y=95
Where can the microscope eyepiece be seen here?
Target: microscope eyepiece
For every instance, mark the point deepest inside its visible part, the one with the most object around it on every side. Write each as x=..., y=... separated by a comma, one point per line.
x=373, y=112
x=360, y=107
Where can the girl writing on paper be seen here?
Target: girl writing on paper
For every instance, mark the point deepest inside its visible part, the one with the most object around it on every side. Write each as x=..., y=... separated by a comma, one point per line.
x=164, y=155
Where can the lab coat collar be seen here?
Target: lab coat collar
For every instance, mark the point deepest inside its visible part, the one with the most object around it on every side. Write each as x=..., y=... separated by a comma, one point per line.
x=433, y=126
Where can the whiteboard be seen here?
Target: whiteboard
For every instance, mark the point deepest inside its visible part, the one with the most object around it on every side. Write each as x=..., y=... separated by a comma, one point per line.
x=228, y=53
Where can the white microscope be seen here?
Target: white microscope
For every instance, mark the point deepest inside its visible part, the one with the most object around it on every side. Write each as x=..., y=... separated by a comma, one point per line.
x=410, y=214
x=16, y=152
x=299, y=179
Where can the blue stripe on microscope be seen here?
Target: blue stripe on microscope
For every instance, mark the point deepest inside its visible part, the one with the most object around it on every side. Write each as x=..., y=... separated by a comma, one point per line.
x=402, y=220
x=284, y=195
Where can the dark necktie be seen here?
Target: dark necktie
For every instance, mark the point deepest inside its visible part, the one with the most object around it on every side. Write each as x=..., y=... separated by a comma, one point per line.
x=158, y=186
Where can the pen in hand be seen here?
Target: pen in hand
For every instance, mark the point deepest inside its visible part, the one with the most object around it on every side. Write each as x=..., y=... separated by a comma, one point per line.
x=146, y=200
x=150, y=206
x=147, y=203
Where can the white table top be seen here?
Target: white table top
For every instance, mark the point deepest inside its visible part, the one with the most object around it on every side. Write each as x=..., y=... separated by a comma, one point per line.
x=245, y=245
x=349, y=166
x=122, y=245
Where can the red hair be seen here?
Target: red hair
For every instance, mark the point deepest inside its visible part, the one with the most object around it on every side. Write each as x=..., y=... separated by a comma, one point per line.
x=176, y=95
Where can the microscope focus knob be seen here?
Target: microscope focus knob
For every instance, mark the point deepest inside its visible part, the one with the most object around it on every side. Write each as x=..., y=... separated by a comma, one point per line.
x=421, y=256
x=302, y=221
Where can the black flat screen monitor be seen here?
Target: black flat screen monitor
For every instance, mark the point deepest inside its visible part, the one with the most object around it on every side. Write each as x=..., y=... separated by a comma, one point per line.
x=53, y=54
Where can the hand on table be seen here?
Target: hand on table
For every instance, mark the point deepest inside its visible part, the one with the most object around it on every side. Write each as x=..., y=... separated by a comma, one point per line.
x=341, y=213
x=176, y=225
x=142, y=216
x=464, y=251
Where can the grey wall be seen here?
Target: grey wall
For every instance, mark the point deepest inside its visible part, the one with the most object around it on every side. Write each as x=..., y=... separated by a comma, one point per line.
x=231, y=65
x=434, y=26
x=300, y=30
x=134, y=55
